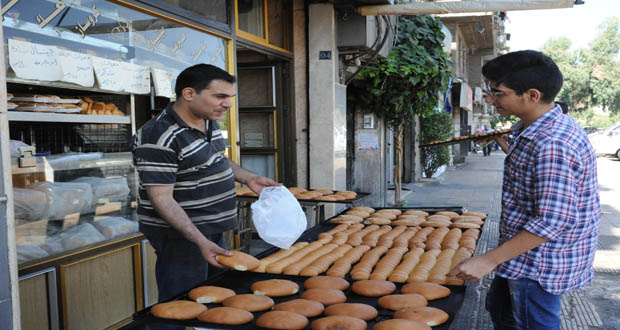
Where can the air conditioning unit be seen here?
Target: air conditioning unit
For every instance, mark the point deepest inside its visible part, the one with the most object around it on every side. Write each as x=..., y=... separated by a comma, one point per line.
x=357, y=32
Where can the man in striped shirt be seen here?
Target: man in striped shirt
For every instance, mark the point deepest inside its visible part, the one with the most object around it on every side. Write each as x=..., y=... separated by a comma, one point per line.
x=550, y=203
x=187, y=193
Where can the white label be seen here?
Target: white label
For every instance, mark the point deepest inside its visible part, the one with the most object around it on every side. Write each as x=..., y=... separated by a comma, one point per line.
x=138, y=78
x=162, y=80
x=76, y=68
x=33, y=61
x=109, y=74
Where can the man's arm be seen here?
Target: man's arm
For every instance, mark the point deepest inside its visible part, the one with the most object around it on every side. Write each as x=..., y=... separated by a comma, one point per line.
x=473, y=269
x=502, y=143
x=254, y=181
x=162, y=200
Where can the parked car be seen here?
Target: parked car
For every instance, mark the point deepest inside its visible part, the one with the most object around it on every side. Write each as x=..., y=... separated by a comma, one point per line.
x=590, y=129
x=607, y=141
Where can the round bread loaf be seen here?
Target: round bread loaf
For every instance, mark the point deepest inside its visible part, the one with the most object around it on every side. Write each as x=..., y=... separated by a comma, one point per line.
x=400, y=324
x=282, y=320
x=249, y=302
x=296, y=190
x=326, y=282
x=360, y=311
x=178, y=310
x=238, y=260
x=326, y=198
x=226, y=315
x=401, y=301
x=430, y=315
x=305, y=307
x=373, y=288
x=275, y=288
x=360, y=214
x=338, y=322
x=324, y=191
x=325, y=296
x=429, y=290
x=210, y=294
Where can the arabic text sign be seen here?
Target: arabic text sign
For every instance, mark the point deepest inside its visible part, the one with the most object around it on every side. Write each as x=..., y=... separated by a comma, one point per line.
x=76, y=68
x=162, y=80
x=138, y=79
x=110, y=74
x=33, y=61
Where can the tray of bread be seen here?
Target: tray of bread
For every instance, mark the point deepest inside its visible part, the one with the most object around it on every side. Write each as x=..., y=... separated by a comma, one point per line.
x=348, y=274
x=47, y=107
x=11, y=105
x=473, y=137
x=40, y=98
x=312, y=195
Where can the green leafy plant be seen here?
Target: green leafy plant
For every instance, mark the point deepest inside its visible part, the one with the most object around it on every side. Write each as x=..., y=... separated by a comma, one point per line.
x=407, y=82
x=436, y=126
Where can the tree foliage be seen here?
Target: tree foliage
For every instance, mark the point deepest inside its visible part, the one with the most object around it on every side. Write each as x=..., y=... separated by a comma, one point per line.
x=592, y=74
x=407, y=81
x=434, y=127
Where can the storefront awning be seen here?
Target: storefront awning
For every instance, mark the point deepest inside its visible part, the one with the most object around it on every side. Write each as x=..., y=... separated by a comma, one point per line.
x=471, y=6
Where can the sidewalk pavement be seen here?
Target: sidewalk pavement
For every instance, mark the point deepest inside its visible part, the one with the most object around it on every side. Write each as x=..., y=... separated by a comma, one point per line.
x=476, y=185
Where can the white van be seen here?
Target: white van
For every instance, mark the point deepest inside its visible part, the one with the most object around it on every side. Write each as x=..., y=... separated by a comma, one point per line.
x=607, y=141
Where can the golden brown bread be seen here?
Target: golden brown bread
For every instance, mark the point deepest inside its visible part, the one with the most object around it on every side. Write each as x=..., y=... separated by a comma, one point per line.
x=326, y=282
x=448, y=214
x=386, y=215
x=274, y=288
x=468, y=218
x=403, y=239
x=373, y=288
x=465, y=225
x=296, y=267
x=435, y=238
x=342, y=266
x=358, y=213
x=451, y=240
x=282, y=320
x=377, y=221
x=420, y=237
x=296, y=190
x=238, y=260
x=277, y=266
x=363, y=209
x=393, y=211
x=411, y=222
x=439, y=217
x=266, y=261
x=400, y=324
x=305, y=307
x=430, y=291
x=442, y=267
x=325, y=296
x=226, y=315
x=396, y=302
x=210, y=294
x=427, y=262
x=356, y=238
x=416, y=212
x=477, y=214
x=321, y=264
x=387, y=239
x=362, y=270
x=410, y=260
x=373, y=238
x=360, y=311
x=388, y=263
x=178, y=310
x=249, y=302
x=431, y=316
x=337, y=322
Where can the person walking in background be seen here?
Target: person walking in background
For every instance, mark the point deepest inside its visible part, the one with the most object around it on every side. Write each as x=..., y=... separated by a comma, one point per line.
x=187, y=194
x=486, y=150
x=550, y=215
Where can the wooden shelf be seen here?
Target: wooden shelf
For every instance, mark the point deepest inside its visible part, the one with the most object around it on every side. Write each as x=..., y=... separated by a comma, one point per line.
x=67, y=118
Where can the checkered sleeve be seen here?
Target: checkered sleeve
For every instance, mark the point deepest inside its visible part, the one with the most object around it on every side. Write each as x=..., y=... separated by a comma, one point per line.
x=555, y=173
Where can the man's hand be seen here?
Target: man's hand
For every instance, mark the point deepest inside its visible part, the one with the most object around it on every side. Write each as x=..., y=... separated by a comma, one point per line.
x=210, y=250
x=473, y=269
x=257, y=183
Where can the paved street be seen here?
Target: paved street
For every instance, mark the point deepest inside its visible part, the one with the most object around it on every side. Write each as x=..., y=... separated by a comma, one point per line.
x=476, y=185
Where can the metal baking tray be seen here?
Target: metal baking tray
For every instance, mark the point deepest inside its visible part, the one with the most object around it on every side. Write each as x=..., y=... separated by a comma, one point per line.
x=240, y=282
x=360, y=196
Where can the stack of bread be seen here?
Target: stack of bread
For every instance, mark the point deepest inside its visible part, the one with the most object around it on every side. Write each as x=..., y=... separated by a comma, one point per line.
x=91, y=107
x=304, y=194
x=400, y=253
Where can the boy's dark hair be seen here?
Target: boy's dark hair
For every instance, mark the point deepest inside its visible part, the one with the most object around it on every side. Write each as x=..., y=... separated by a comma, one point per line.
x=524, y=70
x=199, y=77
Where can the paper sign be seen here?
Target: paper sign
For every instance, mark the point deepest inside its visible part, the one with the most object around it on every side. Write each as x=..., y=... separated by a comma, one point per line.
x=138, y=79
x=33, y=61
x=367, y=140
x=109, y=74
x=76, y=67
x=162, y=80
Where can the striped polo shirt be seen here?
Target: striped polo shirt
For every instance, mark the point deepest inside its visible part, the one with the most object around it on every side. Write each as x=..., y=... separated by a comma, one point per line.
x=167, y=151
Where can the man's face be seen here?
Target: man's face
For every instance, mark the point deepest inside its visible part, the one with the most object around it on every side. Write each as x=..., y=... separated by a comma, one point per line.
x=505, y=100
x=213, y=102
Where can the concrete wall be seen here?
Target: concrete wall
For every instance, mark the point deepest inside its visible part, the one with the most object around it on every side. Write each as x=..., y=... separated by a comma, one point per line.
x=369, y=167
x=300, y=81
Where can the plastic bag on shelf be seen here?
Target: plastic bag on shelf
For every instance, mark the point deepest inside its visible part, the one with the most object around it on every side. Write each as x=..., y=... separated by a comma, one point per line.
x=65, y=198
x=15, y=145
x=116, y=226
x=30, y=252
x=79, y=236
x=109, y=189
x=30, y=204
x=278, y=217
x=73, y=157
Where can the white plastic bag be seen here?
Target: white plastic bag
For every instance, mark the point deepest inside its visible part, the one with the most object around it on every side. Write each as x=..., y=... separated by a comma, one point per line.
x=278, y=217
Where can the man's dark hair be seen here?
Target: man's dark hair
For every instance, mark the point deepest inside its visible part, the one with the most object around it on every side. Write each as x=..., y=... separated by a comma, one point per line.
x=199, y=77
x=524, y=70
x=564, y=107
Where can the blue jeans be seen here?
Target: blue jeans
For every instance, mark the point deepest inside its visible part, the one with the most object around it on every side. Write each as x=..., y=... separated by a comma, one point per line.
x=522, y=304
x=180, y=265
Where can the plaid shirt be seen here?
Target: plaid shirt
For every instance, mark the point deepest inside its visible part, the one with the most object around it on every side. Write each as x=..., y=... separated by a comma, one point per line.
x=550, y=189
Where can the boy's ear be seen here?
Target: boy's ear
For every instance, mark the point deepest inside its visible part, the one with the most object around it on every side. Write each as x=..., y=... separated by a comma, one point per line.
x=533, y=95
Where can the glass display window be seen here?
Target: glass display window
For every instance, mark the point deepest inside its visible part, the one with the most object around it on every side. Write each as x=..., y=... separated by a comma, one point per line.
x=266, y=22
